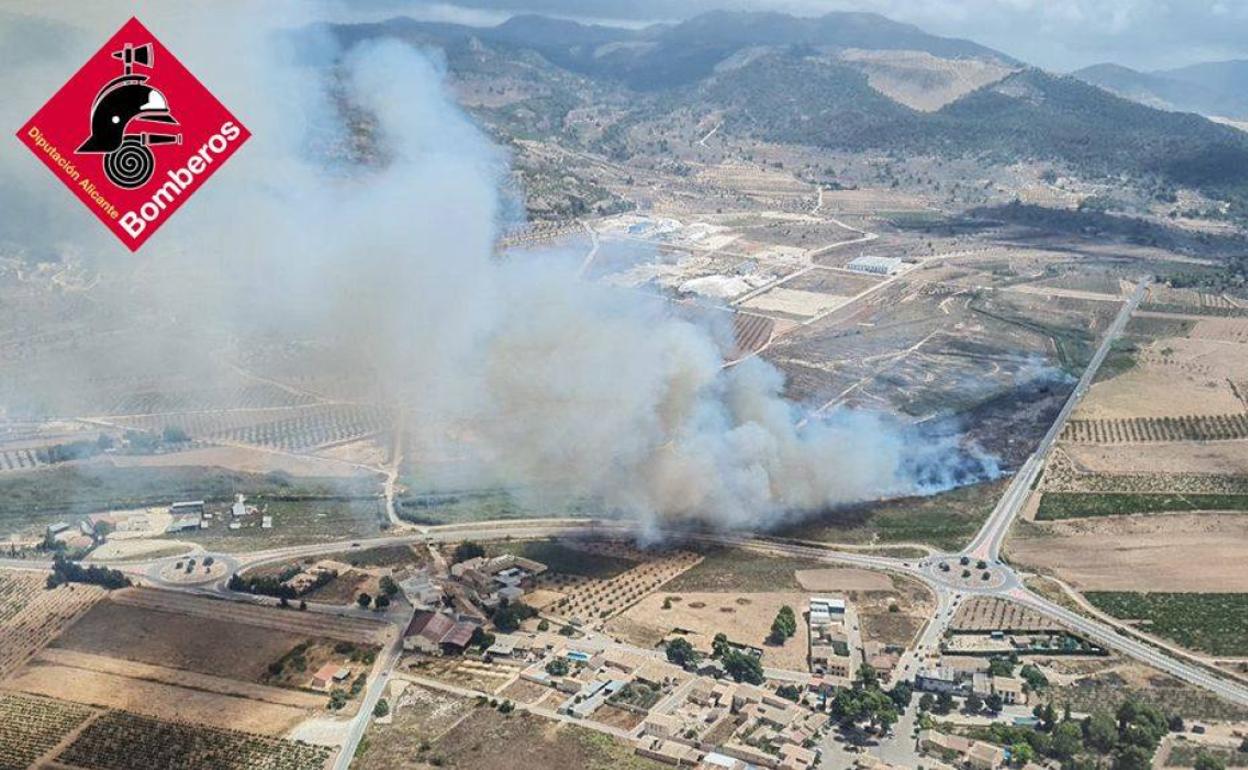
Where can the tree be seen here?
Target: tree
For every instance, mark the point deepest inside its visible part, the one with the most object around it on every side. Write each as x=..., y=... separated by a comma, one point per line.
x=743, y=667
x=381, y=602
x=944, y=703
x=1207, y=761
x=994, y=703
x=784, y=625
x=974, y=704
x=557, y=667
x=1067, y=740
x=681, y=652
x=927, y=702
x=303, y=605
x=867, y=676
x=510, y=615
x=901, y=694
x=1100, y=732
x=1021, y=753
x=388, y=586
x=720, y=645
x=363, y=600
x=1034, y=677
x=174, y=435
x=467, y=550
x=789, y=691
x=1133, y=758
x=381, y=709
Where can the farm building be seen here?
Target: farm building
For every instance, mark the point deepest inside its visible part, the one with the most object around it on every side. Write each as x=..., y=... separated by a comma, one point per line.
x=877, y=265
x=329, y=674
x=435, y=633
x=187, y=506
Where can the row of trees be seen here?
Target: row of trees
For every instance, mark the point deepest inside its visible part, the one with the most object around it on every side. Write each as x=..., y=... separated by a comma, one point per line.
x=66, y=571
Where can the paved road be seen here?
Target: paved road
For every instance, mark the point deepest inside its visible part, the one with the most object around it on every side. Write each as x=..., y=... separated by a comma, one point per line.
x=987, y=543
x=372, y=693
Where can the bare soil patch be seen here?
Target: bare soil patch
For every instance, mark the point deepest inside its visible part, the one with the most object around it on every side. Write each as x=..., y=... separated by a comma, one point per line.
x=1180, y=552
x=155, y=699
x=142, y=635
x=702, y=615
x=843, y=579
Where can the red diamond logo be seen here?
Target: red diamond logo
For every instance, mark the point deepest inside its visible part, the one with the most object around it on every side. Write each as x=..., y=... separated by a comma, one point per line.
x=133, y=134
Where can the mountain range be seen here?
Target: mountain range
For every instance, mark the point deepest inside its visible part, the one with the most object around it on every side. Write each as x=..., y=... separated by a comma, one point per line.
x=1214, y=88
x=854, y=81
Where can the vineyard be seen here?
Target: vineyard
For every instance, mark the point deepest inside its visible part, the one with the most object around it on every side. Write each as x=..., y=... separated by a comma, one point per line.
x=33, y=726
x=324, y=425
x=750, y=332
x=18, y=460
x=1217, y=427
x=1211, y=623
x=993, y=614
x=120, y=740
x=242, y=397
x=293, y=429
x=31, y=615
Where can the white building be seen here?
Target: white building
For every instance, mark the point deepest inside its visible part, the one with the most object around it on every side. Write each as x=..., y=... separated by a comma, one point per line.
x=877, y=265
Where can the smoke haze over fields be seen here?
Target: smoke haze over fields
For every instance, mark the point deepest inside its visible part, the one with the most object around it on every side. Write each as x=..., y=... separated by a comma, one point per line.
x=595, y=392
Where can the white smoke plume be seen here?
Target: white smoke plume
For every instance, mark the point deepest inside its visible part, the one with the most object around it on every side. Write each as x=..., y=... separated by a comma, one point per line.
x=550, y=382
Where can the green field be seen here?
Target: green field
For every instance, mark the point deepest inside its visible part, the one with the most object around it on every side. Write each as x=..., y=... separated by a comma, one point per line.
x=482, y=505
x=948, y=520
x=1212, y=623
x=29, y=501
x=295, y=522
x=566, y=559
x=728, y=569
x=1075, y=505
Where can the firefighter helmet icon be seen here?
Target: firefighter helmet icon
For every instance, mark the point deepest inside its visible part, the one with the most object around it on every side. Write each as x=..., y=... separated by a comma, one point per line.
x=128, y=160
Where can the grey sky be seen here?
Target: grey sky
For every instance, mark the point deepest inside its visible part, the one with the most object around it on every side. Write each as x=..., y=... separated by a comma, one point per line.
x=1061, y=35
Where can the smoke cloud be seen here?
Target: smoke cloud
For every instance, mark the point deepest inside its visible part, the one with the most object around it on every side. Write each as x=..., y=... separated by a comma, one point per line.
x=539, y=379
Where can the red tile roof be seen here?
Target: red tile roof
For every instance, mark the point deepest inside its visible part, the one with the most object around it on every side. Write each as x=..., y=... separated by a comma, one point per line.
x=437, y=628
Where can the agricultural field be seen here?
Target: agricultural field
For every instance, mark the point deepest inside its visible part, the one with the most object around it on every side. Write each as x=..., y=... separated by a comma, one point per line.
x=201, y=661
x=1108, y=688
x=31, y=615
x=725, y=570
x=30, y=501
x=295, y=522
x=33, y=727
x=484, y=738
x=1205, y=427
x=592, y=600
x=1184, y=552
x=1212, y=623
x=124, y=741
x=193, y=643
x=986, y=614
x=1072, y=505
